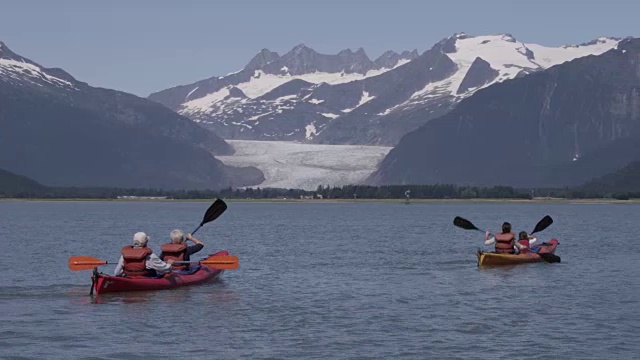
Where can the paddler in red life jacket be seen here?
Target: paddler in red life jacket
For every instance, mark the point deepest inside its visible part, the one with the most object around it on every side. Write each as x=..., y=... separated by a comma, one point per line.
x=504, y=241
x=524, y=241
x=140, y=261
x=177, y=250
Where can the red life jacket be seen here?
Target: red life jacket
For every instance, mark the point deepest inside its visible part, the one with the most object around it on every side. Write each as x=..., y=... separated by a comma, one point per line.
x=504, y=243
x=524, y=242
x=135, y=261
x=175, y=252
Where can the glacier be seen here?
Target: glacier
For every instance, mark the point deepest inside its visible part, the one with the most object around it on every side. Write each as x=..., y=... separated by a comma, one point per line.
x=292, y=165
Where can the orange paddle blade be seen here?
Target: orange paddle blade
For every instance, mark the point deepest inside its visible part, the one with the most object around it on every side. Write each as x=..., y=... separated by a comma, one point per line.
x=221, y=262
x=84, y=263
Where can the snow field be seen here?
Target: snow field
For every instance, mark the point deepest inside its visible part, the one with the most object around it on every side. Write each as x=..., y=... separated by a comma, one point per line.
x=305, y=166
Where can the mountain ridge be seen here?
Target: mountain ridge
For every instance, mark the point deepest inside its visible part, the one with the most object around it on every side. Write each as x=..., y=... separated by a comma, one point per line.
x=359, y=104
x=63, y=132
x=573, y=122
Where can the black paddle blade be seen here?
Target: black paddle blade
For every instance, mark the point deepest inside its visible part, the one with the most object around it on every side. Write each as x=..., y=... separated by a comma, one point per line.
x=550, y=258
x=464, y=223
x=214, y=211
x=543, y=224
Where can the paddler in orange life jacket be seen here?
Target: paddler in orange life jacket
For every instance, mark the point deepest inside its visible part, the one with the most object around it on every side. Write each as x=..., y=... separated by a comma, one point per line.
x=504, y=241
x=177, y=250
x=140, y=261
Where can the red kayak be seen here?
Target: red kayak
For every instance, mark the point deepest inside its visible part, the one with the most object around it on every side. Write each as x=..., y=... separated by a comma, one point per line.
x=542, y=252
x=103, y=283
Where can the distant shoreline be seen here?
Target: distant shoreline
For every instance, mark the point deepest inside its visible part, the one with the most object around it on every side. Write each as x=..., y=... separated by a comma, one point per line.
x=335, y=201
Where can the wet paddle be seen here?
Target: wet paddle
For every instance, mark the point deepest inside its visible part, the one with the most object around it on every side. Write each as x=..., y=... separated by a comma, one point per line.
x=213, y=212
x=222, y=262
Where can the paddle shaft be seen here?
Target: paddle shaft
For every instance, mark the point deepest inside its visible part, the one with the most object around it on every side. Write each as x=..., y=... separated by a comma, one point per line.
x=186, y=262
x=198, y=228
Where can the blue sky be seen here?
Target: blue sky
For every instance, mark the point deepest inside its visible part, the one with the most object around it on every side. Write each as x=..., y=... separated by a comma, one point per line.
x=145, y=46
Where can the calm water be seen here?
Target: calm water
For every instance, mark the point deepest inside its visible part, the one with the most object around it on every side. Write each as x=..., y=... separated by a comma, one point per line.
x=357, y=280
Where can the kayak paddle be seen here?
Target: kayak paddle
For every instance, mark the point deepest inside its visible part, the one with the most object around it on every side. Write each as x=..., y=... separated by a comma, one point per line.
x=468, y=225
x=465, y=224
x=542, y=224
x=221, y=262
x=85, y=263
x=213, y=212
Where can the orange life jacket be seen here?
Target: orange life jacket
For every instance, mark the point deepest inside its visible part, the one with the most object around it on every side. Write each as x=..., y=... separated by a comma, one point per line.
x=504, y=243
x=135, y=261
x=524, y=242
x=175, y=252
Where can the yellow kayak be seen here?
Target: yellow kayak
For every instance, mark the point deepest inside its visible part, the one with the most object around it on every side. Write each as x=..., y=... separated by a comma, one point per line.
x=543, y=252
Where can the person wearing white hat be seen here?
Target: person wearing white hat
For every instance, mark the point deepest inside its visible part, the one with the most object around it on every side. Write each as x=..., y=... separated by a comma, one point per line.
x=139, y=260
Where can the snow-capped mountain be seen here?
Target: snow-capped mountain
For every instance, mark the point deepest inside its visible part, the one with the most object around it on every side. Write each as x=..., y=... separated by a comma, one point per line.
x=63, y=132
x=17, y=70
x=467, y=64
x=564, y=126
x=243, y=104
x=346, y=98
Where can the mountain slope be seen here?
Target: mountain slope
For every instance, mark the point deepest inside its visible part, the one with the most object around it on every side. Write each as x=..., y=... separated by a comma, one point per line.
x=11, y=184
x=348, y=99
x=562, y=126
x=626, y=179
x=267, y=99
x=62, y=132
x=478, y=62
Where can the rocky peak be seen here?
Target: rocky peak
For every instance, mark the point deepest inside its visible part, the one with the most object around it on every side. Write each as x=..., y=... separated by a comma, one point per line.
x=479, y=74
x=6, y=53
x=301, y=49
x=390, y=58
x=304, y=60
x=448, y=45
x=387, y=59
x=600, y=40
x=234, y=92
x=261, y=59
x=409, y=55
x=508, y=37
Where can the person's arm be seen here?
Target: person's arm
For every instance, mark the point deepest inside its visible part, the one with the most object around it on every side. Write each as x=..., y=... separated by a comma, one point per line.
x=532, y=239
x=197, y=245
x=487, y=240
x=194, y=240
x=119, y=267
x=154, y=262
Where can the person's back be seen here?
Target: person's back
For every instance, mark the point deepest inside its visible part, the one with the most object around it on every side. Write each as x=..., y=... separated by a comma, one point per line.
x=177, y=250
x=504, y=242
x=134, y=261
x=138, y=260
